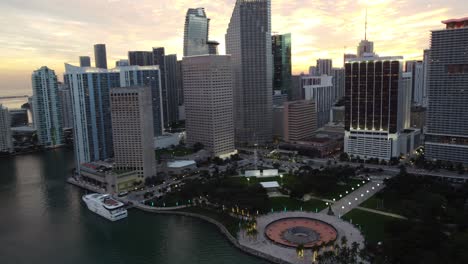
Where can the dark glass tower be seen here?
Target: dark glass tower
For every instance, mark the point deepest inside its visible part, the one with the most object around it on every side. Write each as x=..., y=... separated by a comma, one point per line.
x=196, y=32
x=100, y=56
x=248, y=41
x=447, y=116
x=281, y=48
x=85, y=61
x=171, y=92
x=140, y=58
x=159, y=58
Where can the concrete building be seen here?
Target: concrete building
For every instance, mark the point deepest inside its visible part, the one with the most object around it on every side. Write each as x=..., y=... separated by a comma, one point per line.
x=348, y=56
x=46, y=107
x=299, y=120
x=416, y=68
x=320, y=90
x=365, y=49
x=19, y=117
x=171, y=89
x=278, y=121
x=213, y=47
x=140, y=58
x=418, y=118
x=426, y=61
x=447, y=114
x=209, y=102
x=6, y=139
x=64, y=94
x=337, y=115
x=132, y=130
x=100, y=56
x=85, y=61
x=248, y=41
x=159, y=58
x=196, y=32
x=180, y=92
x=324, y=66
x=282, y=67
x=338, y=82
x=313, y=71
x=121, y=63
x=376, y=110
x=297, y=93
x=279, y=98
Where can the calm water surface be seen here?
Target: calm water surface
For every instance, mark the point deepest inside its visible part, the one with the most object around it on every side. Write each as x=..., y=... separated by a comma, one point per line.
x=43, y=220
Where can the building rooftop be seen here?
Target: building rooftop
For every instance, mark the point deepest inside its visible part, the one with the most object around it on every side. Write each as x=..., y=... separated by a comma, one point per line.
x=180, y=163
x=271, y=184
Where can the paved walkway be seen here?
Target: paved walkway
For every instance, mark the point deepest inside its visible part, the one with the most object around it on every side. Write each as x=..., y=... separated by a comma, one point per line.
x=263, y=244
x=382, y=213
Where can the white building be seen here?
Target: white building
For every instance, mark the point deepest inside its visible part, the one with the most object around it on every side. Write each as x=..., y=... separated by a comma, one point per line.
x=6, y=140
x=208, y=97
x=46, y=107
x=132, y=130
x=324, y=66
x=64, y=94
x=320, y=90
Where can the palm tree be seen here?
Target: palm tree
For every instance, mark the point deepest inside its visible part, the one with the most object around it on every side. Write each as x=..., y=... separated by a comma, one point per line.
x=300, y=250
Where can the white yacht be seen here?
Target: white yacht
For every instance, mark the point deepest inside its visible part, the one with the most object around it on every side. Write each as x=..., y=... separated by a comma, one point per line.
x=105, y=206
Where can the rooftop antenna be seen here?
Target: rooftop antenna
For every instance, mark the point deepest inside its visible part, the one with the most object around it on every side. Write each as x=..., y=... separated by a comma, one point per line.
x=365, y=30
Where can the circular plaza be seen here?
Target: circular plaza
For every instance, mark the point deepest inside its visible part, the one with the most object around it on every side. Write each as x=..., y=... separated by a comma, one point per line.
x=295, y=231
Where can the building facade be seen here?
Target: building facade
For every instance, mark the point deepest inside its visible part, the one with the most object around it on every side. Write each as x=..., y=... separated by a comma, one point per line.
x=100, y=56
x=171, y=89
x=46, y=107
x=19, y=117
x=416, y=68
x=140, y=58
x=300, y=120
x=85, y=61
x=64, y=94
x=159, y=58
x=447, y=112
x=338, y=82
x=320, y=90
x=132, y=130
x=248, y=41
x=196, y=32
x=324, y=66
x=6, y=139
x=209, y=102
x=282, y=67
x=365, y=49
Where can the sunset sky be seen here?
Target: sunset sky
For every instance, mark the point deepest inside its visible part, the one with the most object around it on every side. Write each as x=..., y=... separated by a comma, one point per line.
x=50, y=32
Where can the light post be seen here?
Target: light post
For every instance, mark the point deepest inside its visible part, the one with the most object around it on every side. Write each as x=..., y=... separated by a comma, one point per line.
x=281, y=179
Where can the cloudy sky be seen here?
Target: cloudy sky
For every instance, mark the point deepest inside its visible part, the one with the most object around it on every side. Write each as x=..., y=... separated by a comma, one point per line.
x=50, y=32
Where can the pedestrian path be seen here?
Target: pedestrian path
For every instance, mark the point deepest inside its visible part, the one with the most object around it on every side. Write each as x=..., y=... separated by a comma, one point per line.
x=382, y=213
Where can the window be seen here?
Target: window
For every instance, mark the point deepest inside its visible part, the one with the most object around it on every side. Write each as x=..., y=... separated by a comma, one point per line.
x=457, y=68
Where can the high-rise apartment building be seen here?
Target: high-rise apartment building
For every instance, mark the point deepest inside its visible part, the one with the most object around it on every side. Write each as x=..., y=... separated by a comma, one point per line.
x=140, y=58
x=121, y=63
x=320, y=90
x=282, y=67
x=196, y=32
x=377, y=96
x=100, y=56
x=416, y=68
x=338, y=81
x=365, y=49
x=299, y=120
x=85, y=61
x=6, y=139
x=132, y=130
x=447, y=116
x=324, y=66
x=171, y=88
x=209, y=102
x=46, y=107
x=426, y=61
x=64, y=94
x=248, y=41
x=159, y=58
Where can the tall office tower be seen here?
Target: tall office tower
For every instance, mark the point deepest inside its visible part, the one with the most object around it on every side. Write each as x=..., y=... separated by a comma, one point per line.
x=146, y=76
x=172, y=93
x=213, y=47
x=299, y=120
x=121, y=63
x=324, y=66
x=85, y=61
x=447, y=117
x=180, y=83
x=196, y=32
x=100, y=57
x=313, y=71
x=159, y=58
x=248, y=41
x=338, y=82
x=209, y=102
x=375, y=114
x=92, y=128
x=46, y=107
x=132, y=130
x=282, y=69
x=297, y=92
x=365, y=49
x=19, y=117
x=426, y=61
x=405, y=98
x=320, y=90
x=140, y=58
x=416, y=68
x=64, y=94
x=6, y=139
x=348, y=56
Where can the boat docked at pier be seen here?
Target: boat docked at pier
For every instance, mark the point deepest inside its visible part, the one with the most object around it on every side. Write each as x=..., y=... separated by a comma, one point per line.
x=105, y=206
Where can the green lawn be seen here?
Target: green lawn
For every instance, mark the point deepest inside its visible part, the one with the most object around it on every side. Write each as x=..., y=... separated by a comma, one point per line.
x=231, y=223
x=279, y=203
x=176, y=152
x=372, y=225
x=342, y=188
x=169, y=200
x=383, y=205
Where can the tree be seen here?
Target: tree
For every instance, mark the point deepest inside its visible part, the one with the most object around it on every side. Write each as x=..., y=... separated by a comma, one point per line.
x=198, y=146
x=344, y=157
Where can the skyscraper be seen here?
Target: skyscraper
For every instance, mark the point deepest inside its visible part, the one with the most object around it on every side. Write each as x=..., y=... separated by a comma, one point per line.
x=375, y=107
x=196, y=32
x=248, y=41
x=46, y=107
x=282, y=69
x=159, y=58
x=447, y=117
x=171, y=88
x=64, y=94
x=299, y=120
x=100, y=56
x=85, y=61
x=6, y=140
x=213, y=47
x=121, y=63
x=140, y=58
x=132, y=130
x=426, y=61
x=338, y=82
x=209, y=102
x=324, y=66
x=416, y=68
x=320, y=90
x=365, y=49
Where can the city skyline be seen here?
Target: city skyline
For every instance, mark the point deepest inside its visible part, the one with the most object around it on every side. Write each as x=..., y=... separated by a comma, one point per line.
x=45, y=33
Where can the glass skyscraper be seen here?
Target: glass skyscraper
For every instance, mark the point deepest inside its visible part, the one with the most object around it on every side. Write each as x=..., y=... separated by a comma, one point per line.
x=248, y=41
x=196, y=32
x=281, y=48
